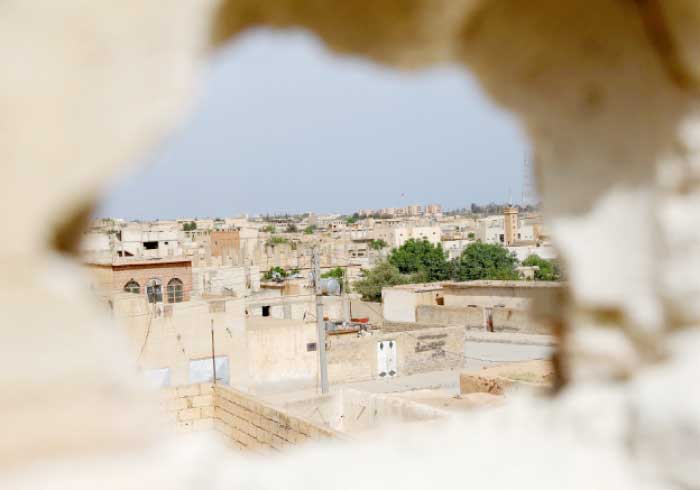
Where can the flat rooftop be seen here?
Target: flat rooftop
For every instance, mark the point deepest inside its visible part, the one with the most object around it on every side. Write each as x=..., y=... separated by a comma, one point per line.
x=437, y=286
x=501, y=284
x=145, y=261
x=263, y=322
x=418, y=288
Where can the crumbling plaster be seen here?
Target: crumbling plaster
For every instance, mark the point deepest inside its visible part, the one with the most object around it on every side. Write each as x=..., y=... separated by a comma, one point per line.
x=607, y=92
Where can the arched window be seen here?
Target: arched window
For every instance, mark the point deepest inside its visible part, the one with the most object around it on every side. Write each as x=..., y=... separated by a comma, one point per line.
x=132, y=287
x=175, y=291
x=154, y=291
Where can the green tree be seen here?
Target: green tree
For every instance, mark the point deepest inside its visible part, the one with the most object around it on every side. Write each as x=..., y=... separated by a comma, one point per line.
x=484, y=261
x=309, y=230
x=292, y=228
x=189, y=226
x=377, y=244
x=269, y=229
x=338, y=273
x=423, y=258
x=382, y=275
x=275, y=271
x=471, y=235
x=548, y=269
x=276, y=240
x=352, y=219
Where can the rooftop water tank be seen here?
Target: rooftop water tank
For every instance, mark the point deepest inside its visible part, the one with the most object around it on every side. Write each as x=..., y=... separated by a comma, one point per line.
x=330, y=286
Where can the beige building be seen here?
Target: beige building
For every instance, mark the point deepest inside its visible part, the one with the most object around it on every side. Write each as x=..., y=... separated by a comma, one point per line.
x=433, y=209
x=396, y=234
x=225, y=243
x=154, y=239
x=510, y=218
x=479, y=305
x=414, y=210
x=173, y=346
x=491, y=229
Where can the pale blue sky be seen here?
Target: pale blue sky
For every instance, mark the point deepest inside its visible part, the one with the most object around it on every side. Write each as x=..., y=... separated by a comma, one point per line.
x=284, y=126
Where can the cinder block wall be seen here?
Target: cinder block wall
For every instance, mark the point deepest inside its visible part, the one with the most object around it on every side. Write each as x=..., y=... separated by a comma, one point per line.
x=253, y=425
x=190, y=408
x=246, y=422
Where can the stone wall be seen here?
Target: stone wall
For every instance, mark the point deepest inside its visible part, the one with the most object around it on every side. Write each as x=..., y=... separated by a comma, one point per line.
x=450, y=315
x=253, y=425
x=246, y=422
x=504, y=319
x=189, y=408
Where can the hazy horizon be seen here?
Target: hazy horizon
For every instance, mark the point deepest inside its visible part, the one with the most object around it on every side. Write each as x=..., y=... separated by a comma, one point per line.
x=283, y=126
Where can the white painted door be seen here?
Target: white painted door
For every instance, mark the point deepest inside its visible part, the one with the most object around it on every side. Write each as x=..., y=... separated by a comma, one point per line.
x=386, y=358
x=391, y=358
x=381, y=359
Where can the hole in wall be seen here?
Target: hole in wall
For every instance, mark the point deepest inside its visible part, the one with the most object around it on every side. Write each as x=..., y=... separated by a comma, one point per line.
x=284, y=127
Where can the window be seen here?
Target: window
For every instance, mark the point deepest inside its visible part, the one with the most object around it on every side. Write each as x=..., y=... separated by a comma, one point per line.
x=265, y=311
x=311, y=347
x=154, y=291
x=132, y=287
x=150, y=245
x=202, y=370
x=175, y=291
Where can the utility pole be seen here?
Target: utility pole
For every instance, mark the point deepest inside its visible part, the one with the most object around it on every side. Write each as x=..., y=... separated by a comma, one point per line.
x=320, y=322
x=213, y=356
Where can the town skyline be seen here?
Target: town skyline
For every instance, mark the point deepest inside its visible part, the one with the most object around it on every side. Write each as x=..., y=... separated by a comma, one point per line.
x=283, y=126
x=491, y=207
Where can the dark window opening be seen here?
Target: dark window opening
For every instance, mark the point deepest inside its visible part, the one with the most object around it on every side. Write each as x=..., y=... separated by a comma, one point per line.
x=150, y=245
x=311, y=347
x=154, y=291
x=265, y=311
x=132, y=287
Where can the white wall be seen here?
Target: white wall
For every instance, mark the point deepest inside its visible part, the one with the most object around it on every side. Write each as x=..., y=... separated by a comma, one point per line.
x=399, y=305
